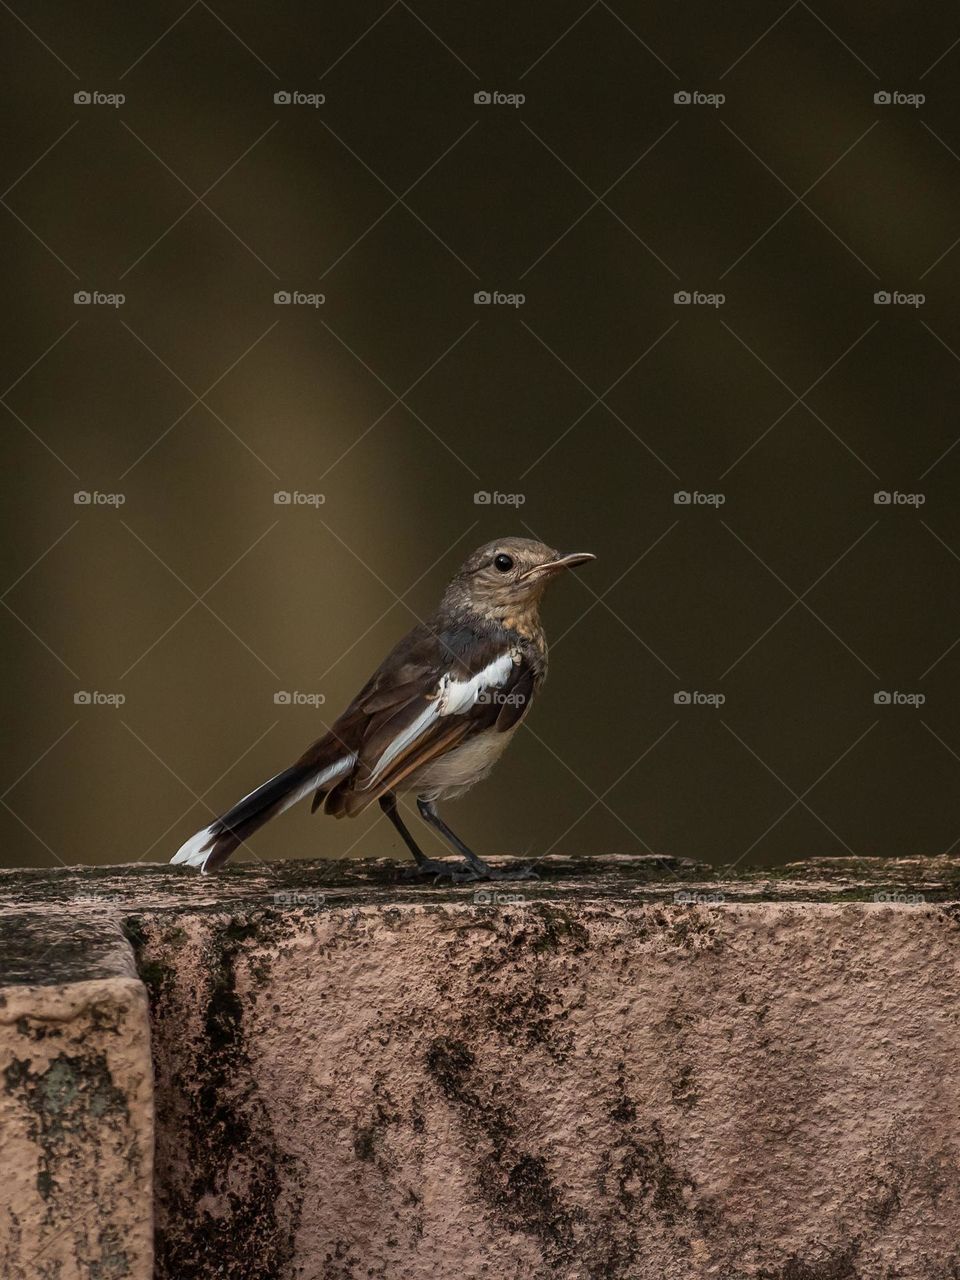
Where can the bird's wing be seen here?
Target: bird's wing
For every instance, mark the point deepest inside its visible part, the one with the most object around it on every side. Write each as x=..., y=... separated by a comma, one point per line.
x=434, y=691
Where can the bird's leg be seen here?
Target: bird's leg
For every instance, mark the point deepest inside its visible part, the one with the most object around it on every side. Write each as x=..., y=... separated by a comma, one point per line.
x=425, y=865
x=481, y=870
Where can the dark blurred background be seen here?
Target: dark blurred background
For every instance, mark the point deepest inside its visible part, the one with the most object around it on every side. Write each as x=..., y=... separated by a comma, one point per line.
x=201, y=601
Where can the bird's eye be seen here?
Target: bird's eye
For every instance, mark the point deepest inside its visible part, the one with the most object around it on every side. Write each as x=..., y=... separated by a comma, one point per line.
x=503, y=562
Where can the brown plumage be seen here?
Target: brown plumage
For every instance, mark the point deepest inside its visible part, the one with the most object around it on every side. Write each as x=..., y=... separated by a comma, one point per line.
x=435, y=715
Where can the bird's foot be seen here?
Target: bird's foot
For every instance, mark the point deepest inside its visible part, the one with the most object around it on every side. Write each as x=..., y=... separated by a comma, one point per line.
x=479, y=871
x=510, y=873
x=465, y=872
x=458, y=872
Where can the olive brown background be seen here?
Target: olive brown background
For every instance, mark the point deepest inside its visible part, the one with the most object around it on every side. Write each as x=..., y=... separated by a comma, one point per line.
x=202, y=601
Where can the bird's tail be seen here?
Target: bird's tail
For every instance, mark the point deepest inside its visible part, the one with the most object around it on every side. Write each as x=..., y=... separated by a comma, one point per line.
x=210, y=848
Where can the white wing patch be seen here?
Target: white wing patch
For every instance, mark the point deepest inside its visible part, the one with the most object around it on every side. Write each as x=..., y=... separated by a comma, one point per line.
x=452, y=698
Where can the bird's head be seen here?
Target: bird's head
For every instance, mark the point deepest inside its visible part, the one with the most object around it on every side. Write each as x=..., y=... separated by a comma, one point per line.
x=504, y=580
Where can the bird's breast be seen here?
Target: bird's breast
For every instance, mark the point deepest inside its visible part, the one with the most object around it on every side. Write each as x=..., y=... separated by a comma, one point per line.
x=453, y=773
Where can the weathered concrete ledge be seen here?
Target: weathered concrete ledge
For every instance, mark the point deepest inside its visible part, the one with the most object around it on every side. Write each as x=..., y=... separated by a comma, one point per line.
x=76, y=1098
x=625, y=1069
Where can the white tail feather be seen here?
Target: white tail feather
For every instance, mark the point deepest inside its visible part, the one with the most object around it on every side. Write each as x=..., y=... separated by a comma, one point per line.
x=195, y=851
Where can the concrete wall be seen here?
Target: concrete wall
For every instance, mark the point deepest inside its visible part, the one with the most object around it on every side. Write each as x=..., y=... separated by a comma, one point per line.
x=76, y=1102
x=354, y=1079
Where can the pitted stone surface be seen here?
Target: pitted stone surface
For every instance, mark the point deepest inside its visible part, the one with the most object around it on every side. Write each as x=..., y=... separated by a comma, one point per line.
x=625, y=1069
x=76, y=1100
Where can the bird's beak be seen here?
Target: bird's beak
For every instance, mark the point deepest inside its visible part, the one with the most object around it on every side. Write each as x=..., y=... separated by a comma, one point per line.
x=571, y=558
x=566, y=561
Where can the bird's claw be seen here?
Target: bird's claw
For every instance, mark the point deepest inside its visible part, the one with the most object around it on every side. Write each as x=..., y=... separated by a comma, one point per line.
x=512, y=873
x=429, y=867
x=464, y=873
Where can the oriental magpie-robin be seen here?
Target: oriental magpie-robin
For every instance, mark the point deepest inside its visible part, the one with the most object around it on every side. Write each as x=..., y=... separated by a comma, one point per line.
x=434, y=717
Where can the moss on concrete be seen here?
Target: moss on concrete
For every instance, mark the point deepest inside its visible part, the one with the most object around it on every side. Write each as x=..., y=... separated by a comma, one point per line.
x=585, y=1071
x=238, y=1178
x=67, y=1100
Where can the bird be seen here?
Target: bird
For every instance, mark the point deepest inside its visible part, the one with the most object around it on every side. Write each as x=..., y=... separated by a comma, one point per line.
x=432, y=720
